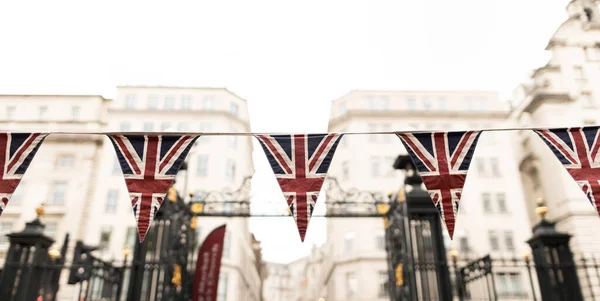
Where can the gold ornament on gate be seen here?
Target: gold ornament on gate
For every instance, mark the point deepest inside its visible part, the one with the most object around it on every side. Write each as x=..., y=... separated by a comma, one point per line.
x=197, y=208
x=383, y=208
x=172, y=195
x=399, y=276
x=541, y=209
x=176, y=280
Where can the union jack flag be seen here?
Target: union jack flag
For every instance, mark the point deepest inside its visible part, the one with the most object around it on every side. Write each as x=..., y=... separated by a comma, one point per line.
x=300, y=163
x=16, y=153
x=442, y=160
x=149, y=164
x=577, y=149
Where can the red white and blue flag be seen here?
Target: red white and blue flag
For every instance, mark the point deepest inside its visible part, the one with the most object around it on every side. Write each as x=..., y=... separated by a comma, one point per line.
x=577, y=149
x=442, y=160
x=16, y=153
x=150, y=164
x=300, y=163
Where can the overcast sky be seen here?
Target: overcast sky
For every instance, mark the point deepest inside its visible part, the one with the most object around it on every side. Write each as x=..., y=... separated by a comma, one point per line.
x=288, y=60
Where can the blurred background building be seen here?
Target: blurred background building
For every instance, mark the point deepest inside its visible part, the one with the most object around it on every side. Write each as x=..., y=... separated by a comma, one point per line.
x=492, y=217
x=81, y=183
x=564, y=92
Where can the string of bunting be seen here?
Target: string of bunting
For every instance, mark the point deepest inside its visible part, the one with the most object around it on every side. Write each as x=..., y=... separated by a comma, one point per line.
x=150, y=162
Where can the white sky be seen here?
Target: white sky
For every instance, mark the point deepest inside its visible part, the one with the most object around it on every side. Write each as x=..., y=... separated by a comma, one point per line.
x=289, y=60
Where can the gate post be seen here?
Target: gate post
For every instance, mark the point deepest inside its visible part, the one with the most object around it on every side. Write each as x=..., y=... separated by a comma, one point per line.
x=28, y=250
x=553, y=260
x=427, y=271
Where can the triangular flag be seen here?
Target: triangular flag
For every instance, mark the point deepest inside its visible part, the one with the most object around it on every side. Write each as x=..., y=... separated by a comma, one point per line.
x=578, y=150
x=16, y=152
x=442, y=160
x=150, y=164
x=300, y=163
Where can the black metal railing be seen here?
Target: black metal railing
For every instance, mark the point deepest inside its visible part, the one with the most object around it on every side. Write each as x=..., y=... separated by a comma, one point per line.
x=512, y=278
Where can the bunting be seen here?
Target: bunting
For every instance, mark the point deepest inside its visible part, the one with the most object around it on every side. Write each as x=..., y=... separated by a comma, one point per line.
x=577, y=149
x=16, y=153
x=150, y=164
x=300, y=163
x=442, y=160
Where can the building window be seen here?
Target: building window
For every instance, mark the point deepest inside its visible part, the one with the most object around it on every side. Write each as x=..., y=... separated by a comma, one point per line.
x=371, y=101
x=183, y=127
x=5, y=228
x=509, y=240
x=116, y=169
x=385, y=102
x=232, y=139
x=169, y=102
x=208, y=103
x=351, y=285
x=509, y=284
x=125, y=127
x=442, y=103
x=345, y=170
x=202, y=166
x=372, y=128
x=222, y=288
x=111, y=201
x=75, y=112
x=130, y=237
x=375, y=166
x=580, y=76
x=427, y=105
x=50, y=229
x=487, y=202
x=152, y=102
x=205, y=127
x=105, y=232
x=383, y=284
x=464, y=245
x=148, y=127
x=380, y=240
x=411, y=103
x=227, y=244
x=58, y=193
x=65, y=161
x=43, y=112
x=233, y=109
x=348, y=241
x=130, y=101
x=230, y=170
x=495, y=167
x=165, y=126
x=186, y=102
x=10, y=112
x=494, y=244
x=501, y=198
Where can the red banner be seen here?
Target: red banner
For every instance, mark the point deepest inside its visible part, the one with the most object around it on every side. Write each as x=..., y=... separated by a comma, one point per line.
x=206, y=280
